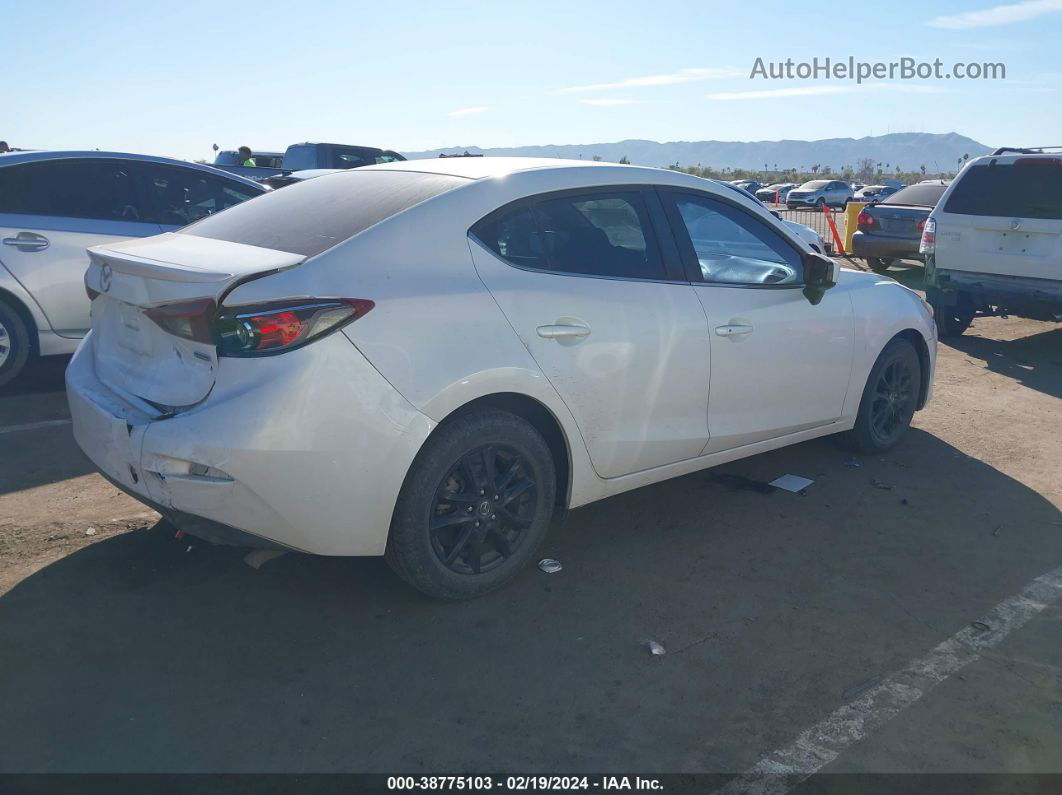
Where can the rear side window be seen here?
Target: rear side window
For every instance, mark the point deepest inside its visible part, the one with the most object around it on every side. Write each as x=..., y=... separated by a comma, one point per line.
x=178, y=197
x=94, y=189
x=1032, y=190
x=297, y=158
x=598, y=234
x=314, y=215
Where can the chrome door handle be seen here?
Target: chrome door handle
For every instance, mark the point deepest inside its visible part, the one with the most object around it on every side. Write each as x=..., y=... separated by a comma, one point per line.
x=733, y=330
x=562, y=331
x=27, y=241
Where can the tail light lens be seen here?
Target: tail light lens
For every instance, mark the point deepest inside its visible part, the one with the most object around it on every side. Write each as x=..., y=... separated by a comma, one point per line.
x=866, y=220
x=929, y=237
x=188, y=319
x=281, y=326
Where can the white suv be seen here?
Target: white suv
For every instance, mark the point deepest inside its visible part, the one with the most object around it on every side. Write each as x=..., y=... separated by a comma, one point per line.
x=993, y=244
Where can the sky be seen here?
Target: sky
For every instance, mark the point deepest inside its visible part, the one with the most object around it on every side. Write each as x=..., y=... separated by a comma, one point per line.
x=174, y=78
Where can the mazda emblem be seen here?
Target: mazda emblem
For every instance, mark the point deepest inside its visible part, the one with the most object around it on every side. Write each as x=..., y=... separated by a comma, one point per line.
x=105, y=277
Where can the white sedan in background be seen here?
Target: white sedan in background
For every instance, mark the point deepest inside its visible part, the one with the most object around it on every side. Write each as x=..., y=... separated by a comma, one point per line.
x=426, y=359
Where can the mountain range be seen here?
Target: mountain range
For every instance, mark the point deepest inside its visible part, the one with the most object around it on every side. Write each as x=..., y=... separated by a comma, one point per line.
x=939, y=152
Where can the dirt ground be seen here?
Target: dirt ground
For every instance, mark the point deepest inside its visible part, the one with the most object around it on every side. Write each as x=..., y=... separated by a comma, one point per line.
x=775, y=609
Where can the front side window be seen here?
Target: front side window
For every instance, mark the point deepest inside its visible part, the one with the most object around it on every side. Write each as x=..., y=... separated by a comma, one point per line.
x=93, y=189
x=599, y=234
x=182, y=196
x=732, y=248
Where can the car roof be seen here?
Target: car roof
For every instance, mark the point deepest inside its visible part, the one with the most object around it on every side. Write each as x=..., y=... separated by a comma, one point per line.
x=488, y=167
x=12, y=158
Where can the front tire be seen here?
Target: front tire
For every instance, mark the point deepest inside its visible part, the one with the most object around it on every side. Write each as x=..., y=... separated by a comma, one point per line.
x=889, y=399
x=475, y=506
x=14, y=344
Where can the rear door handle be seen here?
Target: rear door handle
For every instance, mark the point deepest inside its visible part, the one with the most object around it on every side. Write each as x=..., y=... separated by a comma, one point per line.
x=733, y=330
x=27, y=241
x=562, y=331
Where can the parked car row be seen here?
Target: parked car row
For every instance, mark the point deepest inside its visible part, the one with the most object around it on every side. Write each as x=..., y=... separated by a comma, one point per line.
x=304, y=156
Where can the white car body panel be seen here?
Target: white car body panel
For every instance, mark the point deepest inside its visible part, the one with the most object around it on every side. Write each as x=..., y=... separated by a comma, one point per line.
x=760, y=380
x=313, y=445
x=637, y=383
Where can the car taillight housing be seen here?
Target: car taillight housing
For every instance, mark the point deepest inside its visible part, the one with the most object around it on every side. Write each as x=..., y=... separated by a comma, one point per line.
x=865, y=220
x=929, y=237
x=268, y=329
x=188, y=319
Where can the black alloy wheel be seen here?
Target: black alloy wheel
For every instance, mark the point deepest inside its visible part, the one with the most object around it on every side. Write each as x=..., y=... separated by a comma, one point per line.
x=475, y=505
x=482, y=510
x=890, y=398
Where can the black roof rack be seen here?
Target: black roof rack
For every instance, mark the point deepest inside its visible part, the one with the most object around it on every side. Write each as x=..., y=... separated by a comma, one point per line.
x=1032, y=150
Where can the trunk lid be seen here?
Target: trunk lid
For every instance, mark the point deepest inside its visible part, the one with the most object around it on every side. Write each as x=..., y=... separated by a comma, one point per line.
x=898, y=221
x=132, y=353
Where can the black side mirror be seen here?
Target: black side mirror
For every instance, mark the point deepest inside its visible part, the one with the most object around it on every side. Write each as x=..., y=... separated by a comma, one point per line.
x=820, y=274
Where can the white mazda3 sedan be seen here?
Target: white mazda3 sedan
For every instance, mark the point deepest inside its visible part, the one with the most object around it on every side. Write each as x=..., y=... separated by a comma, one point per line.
x=426, y=360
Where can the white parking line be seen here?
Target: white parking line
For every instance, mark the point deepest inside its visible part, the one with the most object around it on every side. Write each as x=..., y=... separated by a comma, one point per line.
x=816, y=747
x=30, y=426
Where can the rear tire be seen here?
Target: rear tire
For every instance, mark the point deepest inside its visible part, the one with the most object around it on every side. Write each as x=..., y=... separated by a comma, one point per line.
x=879, y=264
x=951, y=319
x=475, y=506
x=889, y=399
x=14, y=344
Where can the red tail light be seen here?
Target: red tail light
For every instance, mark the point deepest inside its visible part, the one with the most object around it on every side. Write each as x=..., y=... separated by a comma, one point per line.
x=928, y=244
x=283, y=326
x=866, y=220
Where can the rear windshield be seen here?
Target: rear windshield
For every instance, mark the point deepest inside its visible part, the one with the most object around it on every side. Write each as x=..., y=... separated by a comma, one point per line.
x=918, y=195
x=1010, y=191
x=317, y=214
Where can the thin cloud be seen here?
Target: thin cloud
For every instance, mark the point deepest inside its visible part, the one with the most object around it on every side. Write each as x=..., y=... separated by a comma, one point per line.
x=997, y=15
x=812, y=91
x=773, y=93
x=467, y=111
x=681, y=76
x=608, y=102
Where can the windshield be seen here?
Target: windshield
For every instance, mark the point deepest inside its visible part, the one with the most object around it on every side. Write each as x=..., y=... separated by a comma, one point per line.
x=918, y=195
x=815, y=184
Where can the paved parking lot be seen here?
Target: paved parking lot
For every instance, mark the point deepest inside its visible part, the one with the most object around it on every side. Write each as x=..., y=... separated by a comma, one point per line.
x=128, y=650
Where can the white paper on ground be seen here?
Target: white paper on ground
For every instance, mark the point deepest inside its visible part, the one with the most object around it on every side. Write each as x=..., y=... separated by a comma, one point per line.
x=793, y=483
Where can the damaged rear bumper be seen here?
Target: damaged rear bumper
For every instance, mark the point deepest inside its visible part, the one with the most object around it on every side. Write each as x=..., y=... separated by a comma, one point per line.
x=304, y=451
